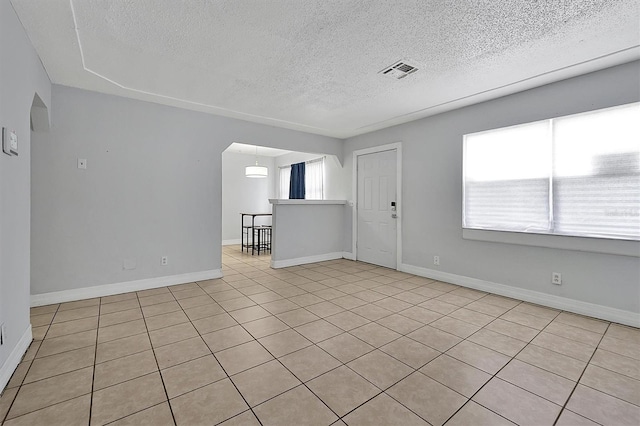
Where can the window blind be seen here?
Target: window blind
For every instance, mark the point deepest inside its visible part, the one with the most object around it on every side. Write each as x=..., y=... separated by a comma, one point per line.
x=576, y=175
x=596, y=185
x=507, y=179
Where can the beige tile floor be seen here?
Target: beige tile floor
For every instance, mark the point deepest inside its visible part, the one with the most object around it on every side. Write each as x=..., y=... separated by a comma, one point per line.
x=329, y=343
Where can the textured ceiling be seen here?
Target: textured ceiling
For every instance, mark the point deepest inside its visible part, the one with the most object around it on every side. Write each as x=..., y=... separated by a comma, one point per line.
x=313, y=65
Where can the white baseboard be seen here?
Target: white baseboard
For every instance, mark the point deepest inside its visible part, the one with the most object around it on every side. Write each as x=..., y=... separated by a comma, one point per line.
x=348, y=255
x=10, y=365
x=304, y=260
x=118, y=288
x=232, y=242
x=576, y=306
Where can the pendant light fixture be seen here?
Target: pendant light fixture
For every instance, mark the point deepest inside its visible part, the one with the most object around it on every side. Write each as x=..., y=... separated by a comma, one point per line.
x=256, y=171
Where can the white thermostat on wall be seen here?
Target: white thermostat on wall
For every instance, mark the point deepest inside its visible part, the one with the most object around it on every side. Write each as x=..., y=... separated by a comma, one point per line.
x=9, y=142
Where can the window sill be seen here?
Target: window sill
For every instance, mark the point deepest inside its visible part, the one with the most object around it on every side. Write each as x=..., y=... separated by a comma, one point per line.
x=594, y=245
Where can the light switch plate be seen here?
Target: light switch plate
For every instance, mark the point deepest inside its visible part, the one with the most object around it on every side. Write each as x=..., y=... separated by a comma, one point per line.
x=9, y=142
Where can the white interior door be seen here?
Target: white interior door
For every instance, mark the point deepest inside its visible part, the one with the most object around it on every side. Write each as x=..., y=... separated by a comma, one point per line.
x=377, y=226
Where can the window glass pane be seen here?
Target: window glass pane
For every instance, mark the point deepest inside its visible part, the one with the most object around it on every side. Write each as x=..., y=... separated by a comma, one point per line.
x=285, y=177
x=597, y=173
x=506, y=178
x=314, y=180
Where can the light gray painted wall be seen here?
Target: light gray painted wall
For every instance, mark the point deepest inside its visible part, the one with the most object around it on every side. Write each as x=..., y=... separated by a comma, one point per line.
x=333, y=173
x=152, y=188
x=243, y=194
x=301, y=230
x=432, y=194
x=21, y=76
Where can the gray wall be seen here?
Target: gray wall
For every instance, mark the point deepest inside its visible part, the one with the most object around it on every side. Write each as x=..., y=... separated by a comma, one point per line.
x=243, y=194
x=152, y=188
x=432, y=194
x=21, y=76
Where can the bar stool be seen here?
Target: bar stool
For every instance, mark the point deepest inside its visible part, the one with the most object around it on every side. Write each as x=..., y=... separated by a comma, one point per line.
x=263, y=237
x=247, y=230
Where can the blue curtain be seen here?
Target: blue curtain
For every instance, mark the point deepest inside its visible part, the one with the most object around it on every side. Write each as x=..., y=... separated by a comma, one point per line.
x=296, y=184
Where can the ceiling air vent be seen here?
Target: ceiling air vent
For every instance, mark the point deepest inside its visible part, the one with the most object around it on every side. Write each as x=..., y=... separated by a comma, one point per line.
x=399, y=70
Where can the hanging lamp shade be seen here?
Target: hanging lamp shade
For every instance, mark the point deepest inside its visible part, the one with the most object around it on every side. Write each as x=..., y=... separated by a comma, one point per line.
x=256, y=171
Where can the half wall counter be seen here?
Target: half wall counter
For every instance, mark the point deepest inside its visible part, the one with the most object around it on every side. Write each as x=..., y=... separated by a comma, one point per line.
x=307, y=231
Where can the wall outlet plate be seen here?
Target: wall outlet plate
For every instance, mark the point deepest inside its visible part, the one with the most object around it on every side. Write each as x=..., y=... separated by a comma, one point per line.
x=9, y=142
x=556, y=278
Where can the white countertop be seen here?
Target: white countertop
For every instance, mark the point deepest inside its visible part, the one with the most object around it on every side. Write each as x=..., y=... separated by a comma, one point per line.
x=306, y=202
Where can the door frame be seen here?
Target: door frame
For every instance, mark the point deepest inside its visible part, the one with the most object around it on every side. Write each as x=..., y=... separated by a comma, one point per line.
x=397, y=146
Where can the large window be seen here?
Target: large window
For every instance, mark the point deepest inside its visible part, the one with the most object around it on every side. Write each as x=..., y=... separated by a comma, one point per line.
x=576, y=175
x=313, y=180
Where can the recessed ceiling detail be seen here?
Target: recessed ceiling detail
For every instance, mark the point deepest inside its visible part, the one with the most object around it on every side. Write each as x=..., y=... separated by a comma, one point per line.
x=314, y=65
x=399, y=70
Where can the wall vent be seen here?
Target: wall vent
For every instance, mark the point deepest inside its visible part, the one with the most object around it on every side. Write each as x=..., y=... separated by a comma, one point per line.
x=399, y=70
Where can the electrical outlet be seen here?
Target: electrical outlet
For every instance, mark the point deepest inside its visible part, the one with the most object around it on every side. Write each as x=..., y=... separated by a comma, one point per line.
x=164, y=261
x=556, y=278
x=3, y=334
x=436, y=260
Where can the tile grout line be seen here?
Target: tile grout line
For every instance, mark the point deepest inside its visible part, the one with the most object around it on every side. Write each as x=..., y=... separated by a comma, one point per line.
x=95, y=359
x=300, y=272
x=345, y=364
x=285, y=367
x=219, y=363
x=4, y=419
x=579, y=378
x=401, y=335
x=157, y=365
x=492, y=376
x=614, y=371
x=291, y=372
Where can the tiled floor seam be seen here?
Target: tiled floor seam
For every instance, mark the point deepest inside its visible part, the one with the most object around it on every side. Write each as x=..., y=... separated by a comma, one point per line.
x=30, y=365
x=326, y=372
x=564, y=406
x=614, y=371
x=601, y=391
x=300, y=272
x=223, y=369
x=136, y=412
x=286, y=368
x=41, y=408
x=491, y=378
x=95, y=358
x=159, y=371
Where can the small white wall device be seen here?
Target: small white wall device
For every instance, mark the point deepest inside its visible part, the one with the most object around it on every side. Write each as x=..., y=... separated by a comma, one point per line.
x=9, y=142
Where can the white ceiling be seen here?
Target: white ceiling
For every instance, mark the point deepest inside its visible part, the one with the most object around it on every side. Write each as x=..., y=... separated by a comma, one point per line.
x=264, y=151
x=313, y=65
